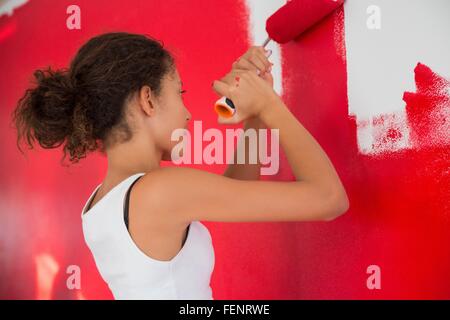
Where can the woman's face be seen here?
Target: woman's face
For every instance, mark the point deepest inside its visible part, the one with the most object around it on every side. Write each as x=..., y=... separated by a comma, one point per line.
x=172, y=113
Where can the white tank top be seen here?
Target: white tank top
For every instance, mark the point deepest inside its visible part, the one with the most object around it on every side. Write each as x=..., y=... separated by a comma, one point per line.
x=128, y=271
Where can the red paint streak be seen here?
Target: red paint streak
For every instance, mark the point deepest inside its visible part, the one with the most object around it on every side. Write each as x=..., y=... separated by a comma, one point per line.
x=339, y=33
x=7, y=31
x=428, y=109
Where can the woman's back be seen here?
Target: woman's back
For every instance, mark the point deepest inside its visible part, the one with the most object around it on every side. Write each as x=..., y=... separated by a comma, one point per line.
x=132, y=274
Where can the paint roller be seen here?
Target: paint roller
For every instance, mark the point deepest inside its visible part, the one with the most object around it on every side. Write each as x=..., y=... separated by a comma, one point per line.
x=286, y=24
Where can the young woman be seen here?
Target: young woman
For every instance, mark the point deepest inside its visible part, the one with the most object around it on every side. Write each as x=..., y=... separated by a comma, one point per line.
x=122, y=96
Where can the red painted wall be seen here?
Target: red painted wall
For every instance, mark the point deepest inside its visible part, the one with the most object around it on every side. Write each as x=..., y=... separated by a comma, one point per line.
x=399, y=209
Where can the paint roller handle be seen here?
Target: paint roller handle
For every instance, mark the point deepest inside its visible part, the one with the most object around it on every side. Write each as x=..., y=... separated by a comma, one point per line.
x=266, y=42
x=224, y=106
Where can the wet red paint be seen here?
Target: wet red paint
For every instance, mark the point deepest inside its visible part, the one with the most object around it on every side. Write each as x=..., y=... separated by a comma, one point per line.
x=428, y=109
x=399, y=206
x=7, y=30
x=399, y=209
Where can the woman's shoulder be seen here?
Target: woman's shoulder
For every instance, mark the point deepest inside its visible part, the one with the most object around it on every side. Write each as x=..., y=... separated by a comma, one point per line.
x=166, y=181
x=153, y=191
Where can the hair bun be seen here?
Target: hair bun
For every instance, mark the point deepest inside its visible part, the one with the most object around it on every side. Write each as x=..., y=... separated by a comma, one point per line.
x=45, y=112
x=55, y=83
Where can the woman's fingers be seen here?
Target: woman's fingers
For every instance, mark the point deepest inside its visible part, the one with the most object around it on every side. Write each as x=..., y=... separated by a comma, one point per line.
x=255, y=64
x=259, y=53
x=221, y=88
x=254, y=59
x=245, y=64
x=222, y=120
x=230, y=78
x=236, y=118
x=226, y=85
x=263, y=58
x=268, y=78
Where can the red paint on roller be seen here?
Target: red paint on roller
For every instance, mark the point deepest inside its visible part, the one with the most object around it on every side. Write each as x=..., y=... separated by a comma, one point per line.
x=296, y=16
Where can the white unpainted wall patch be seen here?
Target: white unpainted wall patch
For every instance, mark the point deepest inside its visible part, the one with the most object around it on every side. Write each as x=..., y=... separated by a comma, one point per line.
x=381, y=62
x=8, y=6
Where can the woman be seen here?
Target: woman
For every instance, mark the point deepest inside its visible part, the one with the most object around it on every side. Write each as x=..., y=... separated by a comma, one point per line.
x=122, y=96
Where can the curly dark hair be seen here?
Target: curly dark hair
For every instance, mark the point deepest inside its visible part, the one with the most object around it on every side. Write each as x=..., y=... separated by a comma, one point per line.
x=84, y=106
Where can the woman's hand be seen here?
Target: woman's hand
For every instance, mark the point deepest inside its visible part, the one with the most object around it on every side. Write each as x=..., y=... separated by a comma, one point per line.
x=256, y=59
x=250, y=93
x=253, y=60
x=256, y=62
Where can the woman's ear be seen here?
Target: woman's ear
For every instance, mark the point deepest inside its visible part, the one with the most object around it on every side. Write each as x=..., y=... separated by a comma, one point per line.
x=147, y=100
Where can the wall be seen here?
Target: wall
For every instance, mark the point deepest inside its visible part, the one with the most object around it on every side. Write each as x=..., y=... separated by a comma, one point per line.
x=377, y=101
